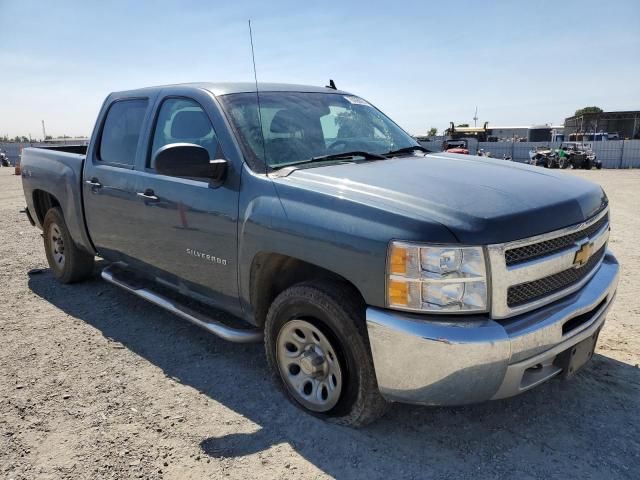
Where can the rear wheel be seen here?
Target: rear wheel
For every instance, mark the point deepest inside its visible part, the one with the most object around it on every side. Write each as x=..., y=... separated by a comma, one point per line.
x=68, y=263
x=318, y=352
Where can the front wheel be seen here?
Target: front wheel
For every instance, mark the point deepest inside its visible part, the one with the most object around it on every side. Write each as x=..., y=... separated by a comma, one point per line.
x=68, y=263
x=318, y=352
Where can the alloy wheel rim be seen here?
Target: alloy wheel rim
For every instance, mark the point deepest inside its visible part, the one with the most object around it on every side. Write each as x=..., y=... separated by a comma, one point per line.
x=309, y=365
x=56, y=245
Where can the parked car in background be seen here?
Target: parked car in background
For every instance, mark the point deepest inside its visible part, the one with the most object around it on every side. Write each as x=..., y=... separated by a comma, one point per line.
x=373, y=270
x=456, y=146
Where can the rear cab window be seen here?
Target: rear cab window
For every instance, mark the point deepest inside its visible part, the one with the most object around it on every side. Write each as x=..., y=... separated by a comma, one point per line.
x=121, y=132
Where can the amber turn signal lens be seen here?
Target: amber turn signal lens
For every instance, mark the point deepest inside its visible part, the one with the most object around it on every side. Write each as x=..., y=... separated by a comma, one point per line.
x=398, y=292
x=398, y=260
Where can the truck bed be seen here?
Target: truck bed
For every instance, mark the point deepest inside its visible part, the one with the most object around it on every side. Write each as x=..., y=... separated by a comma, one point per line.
x=53, y=175
x=78, y=149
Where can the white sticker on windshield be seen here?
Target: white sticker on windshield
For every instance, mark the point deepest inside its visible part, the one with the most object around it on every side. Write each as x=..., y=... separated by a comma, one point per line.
x=355, y=100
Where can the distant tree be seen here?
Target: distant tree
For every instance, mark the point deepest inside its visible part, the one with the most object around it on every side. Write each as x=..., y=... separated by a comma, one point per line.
x=16, y=139
x=463, y=125
x=48, y=137
x=582, y=111
x=433, y=131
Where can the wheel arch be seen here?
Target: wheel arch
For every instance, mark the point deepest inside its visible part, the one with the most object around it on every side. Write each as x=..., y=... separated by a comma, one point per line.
x=272, y=273
x=42, y=202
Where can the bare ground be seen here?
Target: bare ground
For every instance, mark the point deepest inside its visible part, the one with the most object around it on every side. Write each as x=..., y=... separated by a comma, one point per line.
x=95, y=383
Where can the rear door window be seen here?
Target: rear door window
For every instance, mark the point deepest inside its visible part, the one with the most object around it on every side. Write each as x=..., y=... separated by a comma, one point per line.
x=121, y=132
x=181, y=120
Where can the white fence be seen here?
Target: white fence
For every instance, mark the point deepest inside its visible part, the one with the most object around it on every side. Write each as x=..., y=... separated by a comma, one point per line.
x=612, y=153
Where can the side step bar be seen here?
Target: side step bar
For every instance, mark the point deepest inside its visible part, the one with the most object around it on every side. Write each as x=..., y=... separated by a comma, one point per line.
x=237, y=335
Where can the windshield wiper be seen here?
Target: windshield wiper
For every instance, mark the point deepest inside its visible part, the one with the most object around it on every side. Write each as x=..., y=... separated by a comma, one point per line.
x=335, y=156
x=351, y=154
x=410, y=149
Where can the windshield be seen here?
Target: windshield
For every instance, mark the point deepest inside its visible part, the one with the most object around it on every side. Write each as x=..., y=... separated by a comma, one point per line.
x=297, y=127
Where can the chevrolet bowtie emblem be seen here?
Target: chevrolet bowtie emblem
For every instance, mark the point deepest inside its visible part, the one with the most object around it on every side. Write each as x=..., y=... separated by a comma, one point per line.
x=583, y=255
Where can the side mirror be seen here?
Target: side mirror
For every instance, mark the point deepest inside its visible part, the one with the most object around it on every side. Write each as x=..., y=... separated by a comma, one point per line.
x=188, y=160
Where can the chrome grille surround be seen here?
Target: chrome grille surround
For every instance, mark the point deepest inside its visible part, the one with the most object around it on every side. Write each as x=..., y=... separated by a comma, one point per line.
x=504, y=276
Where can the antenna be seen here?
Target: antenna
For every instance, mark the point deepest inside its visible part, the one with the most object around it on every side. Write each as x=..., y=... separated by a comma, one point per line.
x=475, y=118
x=255, y=77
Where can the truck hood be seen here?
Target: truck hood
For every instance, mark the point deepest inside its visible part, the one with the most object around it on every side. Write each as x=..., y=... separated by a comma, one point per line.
x=478, y=199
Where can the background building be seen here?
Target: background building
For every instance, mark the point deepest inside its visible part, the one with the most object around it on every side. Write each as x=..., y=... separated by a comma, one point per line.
x=534, y=133
x=625, y=124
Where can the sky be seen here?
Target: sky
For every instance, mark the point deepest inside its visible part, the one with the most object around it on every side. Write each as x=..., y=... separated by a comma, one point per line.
x=423, y=63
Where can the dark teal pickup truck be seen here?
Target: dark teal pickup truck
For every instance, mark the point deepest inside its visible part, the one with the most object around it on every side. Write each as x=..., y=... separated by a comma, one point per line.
x=373, y=270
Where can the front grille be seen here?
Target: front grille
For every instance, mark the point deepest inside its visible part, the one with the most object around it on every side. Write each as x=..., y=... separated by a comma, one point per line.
x=548, y=247
x=527, y=292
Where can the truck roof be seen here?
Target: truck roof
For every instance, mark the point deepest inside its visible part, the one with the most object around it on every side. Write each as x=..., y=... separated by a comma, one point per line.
x=224, y=88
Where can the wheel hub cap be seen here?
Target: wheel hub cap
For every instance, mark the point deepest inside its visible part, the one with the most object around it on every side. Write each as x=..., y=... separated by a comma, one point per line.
x=309, y=365
x=313, y=363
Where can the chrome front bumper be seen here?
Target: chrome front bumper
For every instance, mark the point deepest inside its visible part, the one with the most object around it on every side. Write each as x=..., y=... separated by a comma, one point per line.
x=426, y=360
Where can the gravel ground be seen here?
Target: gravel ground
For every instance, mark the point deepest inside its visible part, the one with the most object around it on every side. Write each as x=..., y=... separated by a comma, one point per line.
x=95, y=383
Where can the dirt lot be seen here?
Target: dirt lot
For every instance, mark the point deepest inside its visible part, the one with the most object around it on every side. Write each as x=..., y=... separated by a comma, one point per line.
x=95, y=383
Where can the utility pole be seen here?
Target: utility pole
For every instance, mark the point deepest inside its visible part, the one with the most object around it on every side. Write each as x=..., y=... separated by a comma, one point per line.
x=475, y=118
x=44, y=132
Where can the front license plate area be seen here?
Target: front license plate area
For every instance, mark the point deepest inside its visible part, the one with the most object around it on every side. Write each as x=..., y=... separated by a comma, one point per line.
x=576, y=357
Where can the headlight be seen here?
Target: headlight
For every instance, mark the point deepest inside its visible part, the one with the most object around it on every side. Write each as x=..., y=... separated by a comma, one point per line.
x=436, y=278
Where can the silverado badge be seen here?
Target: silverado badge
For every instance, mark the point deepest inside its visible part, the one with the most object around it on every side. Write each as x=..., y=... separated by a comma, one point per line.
x=583, y=254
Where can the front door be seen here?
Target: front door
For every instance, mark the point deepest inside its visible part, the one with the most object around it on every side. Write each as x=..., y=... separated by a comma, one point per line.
x=190, y=226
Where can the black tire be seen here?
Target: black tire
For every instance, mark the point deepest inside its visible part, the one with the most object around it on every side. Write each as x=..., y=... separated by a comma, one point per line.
x=339, y=313
x=76, y=265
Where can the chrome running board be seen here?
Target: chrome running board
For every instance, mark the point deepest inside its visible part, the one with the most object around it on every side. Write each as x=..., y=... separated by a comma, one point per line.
x=237, y=335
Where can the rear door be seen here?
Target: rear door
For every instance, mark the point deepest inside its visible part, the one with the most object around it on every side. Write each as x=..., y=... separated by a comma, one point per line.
x=189, y=225
x=109, y=178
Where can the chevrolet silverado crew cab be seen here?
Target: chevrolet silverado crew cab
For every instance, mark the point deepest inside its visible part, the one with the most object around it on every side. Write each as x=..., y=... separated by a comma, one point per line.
x=374, y=271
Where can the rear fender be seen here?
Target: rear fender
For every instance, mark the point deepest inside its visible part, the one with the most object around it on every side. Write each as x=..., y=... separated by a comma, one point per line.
x=58, y=174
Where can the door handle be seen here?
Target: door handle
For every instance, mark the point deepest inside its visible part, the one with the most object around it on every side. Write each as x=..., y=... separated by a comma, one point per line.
x=93, y=182
x=148, y=195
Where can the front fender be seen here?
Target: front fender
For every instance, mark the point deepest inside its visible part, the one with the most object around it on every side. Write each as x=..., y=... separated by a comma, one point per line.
x=343, y=236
